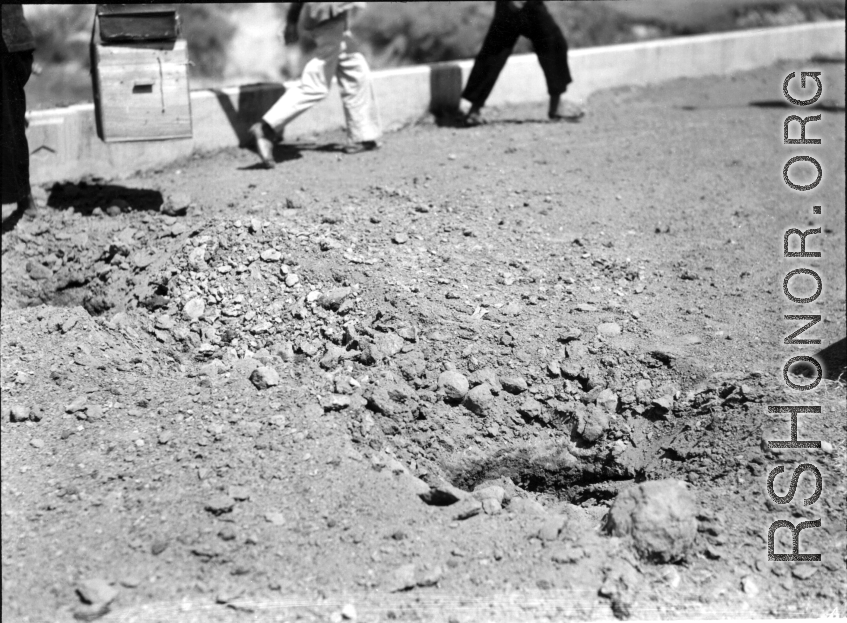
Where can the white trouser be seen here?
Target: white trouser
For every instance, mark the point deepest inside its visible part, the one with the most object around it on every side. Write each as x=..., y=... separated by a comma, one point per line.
x=354, y=79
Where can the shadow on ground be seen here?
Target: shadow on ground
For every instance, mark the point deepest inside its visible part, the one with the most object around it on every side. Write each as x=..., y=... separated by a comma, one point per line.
x=84, y=197
x=833, y=358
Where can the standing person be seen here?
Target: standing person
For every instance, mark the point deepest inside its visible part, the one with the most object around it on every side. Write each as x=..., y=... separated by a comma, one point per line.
x=17, y=53
x=511, y=20
x=329, y=25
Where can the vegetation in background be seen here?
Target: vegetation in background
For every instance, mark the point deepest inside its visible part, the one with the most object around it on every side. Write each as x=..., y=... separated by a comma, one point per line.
x=401, y=33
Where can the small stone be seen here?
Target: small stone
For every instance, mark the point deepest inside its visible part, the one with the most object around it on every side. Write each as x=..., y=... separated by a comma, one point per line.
x=194, y=309
x=567, y=554
x=531, y=408
x=220, y=504
x=609, y=329
x=479, y=400
x=443, y=494
x=491, y=506
x=177, y=204
x=37, y=443
x=348, y=612
x=78, y=404
x=270, y=255
x=660, y=515
x=826, y=447
x=550, y=529
x=526, y=506
x=333, y=299
x=749, y=586
x=513, y=384
x=488, y=376
x=37, y=271
x=274, y=518
x=804, y=572
x=158, y=546
x=93, y=413
x=465, y=509
x=291, y=280
x=131, y=580
x=596, y=423
x=403, y=578
x=18, y=413
x=239, y=493
x=165, y=436
x=453, y=384
x=400, y=238
x=227, y=533
x=664, y=404
x=429, y=577
x=553, y=368
x=96, y=591
x=608, y=400
x=264, y=377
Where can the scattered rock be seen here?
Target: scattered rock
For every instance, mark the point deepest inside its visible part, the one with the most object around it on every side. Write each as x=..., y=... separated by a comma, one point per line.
x=443, y=494
x=403, y=578
x=595, y=424
x=659, y=515
x=550, y=529
x=531, y=408
x=194, y=309
x=513, y=384
x=609, y=329
x=18, y=413
x=608, y=400
x=264, y=377
x=466, y=508
x=749, y=586
x=400, y=238
x=567, y=554
x=803, y=571
x=78, y=404
x=453, y=384
x=334, y=298
x=96, y=591
x=176, y=205
x=480, y=399
x=270, y=255
x=220, y=504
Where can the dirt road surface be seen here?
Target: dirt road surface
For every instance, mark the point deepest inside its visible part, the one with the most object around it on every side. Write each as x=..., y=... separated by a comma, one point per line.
x=434, y=382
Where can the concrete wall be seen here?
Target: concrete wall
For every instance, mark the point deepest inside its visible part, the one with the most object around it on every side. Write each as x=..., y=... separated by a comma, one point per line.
x=64, y=143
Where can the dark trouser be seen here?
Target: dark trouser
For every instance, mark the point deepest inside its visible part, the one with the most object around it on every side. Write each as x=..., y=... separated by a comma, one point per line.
x=534, y=22
x=17, y=67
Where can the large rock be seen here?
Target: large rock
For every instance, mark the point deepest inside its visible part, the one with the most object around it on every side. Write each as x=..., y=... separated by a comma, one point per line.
x=660, y=516
x=453, y=384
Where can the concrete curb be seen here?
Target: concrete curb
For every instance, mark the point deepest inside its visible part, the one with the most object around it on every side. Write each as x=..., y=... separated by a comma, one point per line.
x=64, y=145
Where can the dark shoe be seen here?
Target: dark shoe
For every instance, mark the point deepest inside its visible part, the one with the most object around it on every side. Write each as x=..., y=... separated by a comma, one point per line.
x=357, y=148
x=568, y=111
x=474, y=119
x=264, y=146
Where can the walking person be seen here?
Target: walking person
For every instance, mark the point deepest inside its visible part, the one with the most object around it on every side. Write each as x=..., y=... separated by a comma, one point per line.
x=511, y=20
x=328, y=23
x=17, y=52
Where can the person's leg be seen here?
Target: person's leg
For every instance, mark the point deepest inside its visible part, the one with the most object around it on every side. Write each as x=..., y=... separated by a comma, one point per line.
x=501, y=38
x=552, y=51
x=357, y=96
x=312, y=87
x=16, y=70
